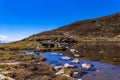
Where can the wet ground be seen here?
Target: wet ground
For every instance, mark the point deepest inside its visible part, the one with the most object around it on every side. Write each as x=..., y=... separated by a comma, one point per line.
x=99, y=71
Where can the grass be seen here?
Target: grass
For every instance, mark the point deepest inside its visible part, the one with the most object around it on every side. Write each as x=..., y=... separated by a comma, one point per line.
x=29, y=68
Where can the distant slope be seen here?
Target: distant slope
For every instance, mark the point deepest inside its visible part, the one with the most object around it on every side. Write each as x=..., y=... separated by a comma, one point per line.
x=107, y=26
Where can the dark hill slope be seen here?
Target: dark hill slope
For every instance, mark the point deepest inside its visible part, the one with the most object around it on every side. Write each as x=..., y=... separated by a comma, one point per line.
x=108, y=26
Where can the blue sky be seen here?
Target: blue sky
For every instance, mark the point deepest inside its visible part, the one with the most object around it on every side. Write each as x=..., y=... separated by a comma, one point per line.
x=21, y=18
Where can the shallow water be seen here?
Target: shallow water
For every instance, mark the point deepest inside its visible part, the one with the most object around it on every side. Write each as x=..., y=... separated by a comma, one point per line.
x=100, y=71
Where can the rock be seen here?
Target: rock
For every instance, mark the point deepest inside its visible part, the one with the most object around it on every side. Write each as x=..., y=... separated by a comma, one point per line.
x=86, y=66
x=57, y=67
x=66, y=75
x=66, y=65
x=76, y=60
x=77, y=74
x=2, y=77
x=60, y=72
x=66, y=58
x=76, y=55
x=72, y=50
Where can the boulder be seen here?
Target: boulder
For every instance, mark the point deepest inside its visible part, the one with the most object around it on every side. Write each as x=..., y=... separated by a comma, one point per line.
x=86, y=66
x=76, y=60
x=77, y=74
x=66, y=65
x=60, y=72
x=66, y=58
x=57, y=67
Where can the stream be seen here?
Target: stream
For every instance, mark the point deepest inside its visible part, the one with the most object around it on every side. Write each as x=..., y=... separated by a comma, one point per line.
x=99, y=71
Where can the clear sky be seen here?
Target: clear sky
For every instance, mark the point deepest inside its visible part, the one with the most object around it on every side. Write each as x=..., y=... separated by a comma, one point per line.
x=21, y=18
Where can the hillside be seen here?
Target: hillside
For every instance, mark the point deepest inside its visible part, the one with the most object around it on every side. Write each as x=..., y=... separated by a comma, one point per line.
x=96, y=39
x=103, y=28
x=107, y=26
